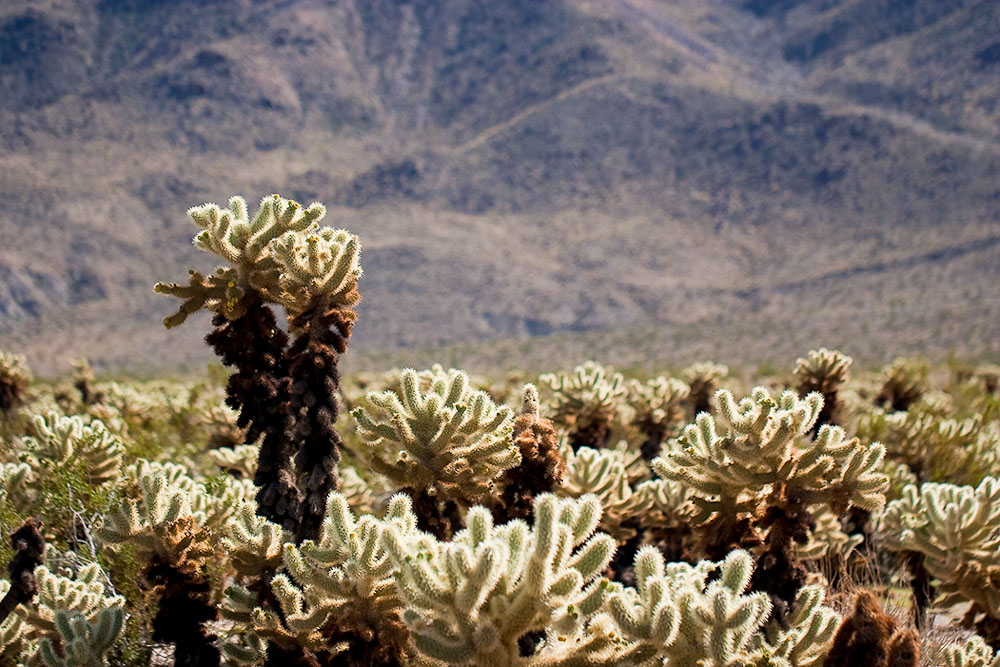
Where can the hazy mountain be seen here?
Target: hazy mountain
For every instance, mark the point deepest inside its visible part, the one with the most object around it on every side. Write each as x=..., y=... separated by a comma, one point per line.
x=516, y=168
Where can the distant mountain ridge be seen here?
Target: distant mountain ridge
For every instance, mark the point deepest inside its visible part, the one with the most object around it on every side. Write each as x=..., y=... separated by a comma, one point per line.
x=514, y=168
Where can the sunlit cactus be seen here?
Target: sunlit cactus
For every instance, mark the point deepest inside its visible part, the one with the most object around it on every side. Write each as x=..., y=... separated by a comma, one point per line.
x=469, y=601
x=286, y=393
x=446, y=446
x=586, y=402
x=904, y=384
x=935, y=448
x=244, y=244
x=240, y=460
x=658, y=410
x=762, y=479
x=974, y=652
x=74, y=620
x=336, y=597
x=12, y=632
x=681, y=614
x=703, y=380
x=61, y=441
x=826, y=372
x=956, y=529
x=163, y=528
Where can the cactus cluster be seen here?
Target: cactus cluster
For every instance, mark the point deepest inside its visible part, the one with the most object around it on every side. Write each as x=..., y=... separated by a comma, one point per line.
x=454, y=520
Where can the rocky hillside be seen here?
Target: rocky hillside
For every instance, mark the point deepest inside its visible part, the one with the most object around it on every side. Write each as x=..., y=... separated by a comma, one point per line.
x=516, y=168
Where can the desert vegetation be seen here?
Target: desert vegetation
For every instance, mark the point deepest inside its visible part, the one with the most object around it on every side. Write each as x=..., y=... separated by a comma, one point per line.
x=277, y=512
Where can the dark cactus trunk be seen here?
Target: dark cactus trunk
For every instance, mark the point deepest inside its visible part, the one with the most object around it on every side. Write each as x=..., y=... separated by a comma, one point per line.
x=185, y=607
x=29, y=553
x=255, y=346
x=315, y=383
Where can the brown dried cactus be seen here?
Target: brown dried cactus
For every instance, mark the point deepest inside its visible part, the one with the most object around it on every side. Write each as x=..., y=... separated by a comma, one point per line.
x=315, y=384
x=29, y=553
x=255, y=346
x=869, y=636
x=541, y=469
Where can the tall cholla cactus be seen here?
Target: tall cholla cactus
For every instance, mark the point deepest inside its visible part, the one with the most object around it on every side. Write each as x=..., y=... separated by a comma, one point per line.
x=163, y=528
x=445, y=447
x=703, y=379
x=336, y=597
x=677, y=616
x=586, y=402
x=658, y=407
x=73, y=619
x=70, y=441
x=15, y=379
x=319, y=287
x=469, y=601
x=823, y=371
x=286, y=395
x=956, y=529
x=761, y=480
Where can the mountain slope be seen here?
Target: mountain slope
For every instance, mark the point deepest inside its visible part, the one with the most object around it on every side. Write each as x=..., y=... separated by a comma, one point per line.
x=514, y=169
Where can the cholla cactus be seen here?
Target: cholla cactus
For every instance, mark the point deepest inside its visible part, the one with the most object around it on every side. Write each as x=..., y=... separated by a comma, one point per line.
x=83, y=381
x=586, y=402
x=317, y=271
x=318, y=277
x=905, y=382
x=764, y=474
x=823, y=371
x=254, y=543
x=16, y=485
x=241, y=460
x=444, y=446
x=245, y=244
x=469, y=601
x=71, y=441
x=658, y=409
x=287, y=394
x=703, y=379
x=827, y=539
x=975, y=652
x=12, y=633
x=163, y=528
x=337, y=598
x=84, y=643
x=541, y=469
x=15, y=379
x=676, y=616
x=73, y=619
x=601, y=473
x=934, y=448
x=957, y=531
x=225, y=432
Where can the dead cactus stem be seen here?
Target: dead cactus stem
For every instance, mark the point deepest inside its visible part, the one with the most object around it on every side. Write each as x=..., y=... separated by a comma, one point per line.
x=29, y=553
x=255, y=346
x=541, y=469
x=315, y=381
x=869, y=636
